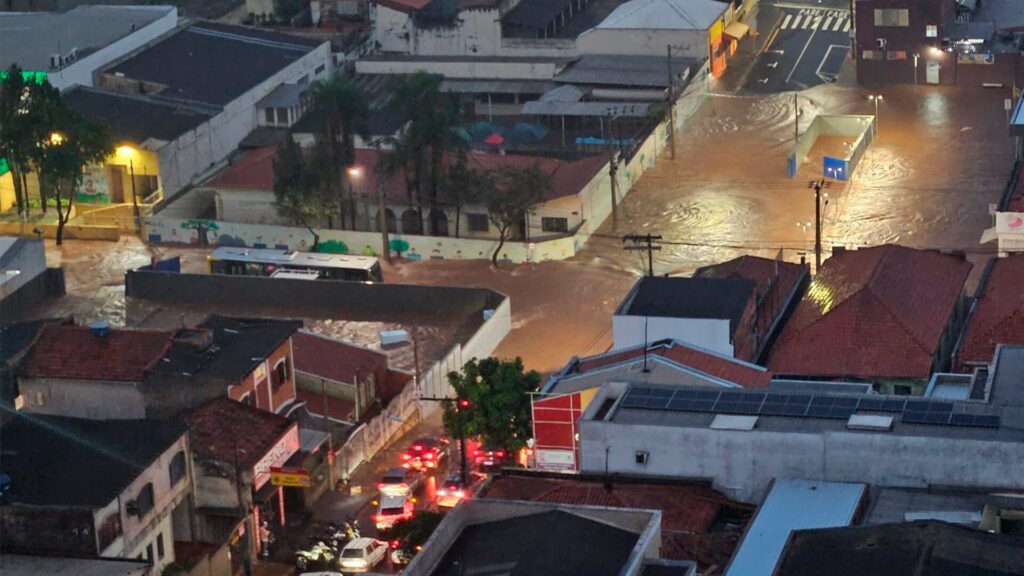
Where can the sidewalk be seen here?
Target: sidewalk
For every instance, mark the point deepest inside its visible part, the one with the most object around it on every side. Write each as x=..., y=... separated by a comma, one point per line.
x=763, y=20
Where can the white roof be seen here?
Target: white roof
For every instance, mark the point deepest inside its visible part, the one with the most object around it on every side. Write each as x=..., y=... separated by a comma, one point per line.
x=293, y=258
x=664, y=15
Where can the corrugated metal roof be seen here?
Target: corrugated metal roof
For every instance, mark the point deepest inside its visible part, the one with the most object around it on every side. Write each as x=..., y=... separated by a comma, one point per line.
x=664, y=15
x=284, y=96
x=614, y=70
x=792, y=505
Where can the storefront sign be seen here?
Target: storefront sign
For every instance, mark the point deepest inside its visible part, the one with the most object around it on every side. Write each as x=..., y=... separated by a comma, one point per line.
x=27, y=76
x=294, y=477
x=276, y=456
x=556, y=460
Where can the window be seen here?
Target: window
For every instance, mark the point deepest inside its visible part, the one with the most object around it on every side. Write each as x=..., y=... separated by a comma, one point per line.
x=554, y=224
x=320, y=69
x=869, y=55
x=931, y=31
x=902, y=390
x=641, y=456
x=149, y=552
x=160, y=545
x=478, y=222
x=268, y=115
x=109, y=530
x=280, y=375
x=144, y=501
x=177, y=468
x=897, y=55
x=892, y=17
x=282, y=116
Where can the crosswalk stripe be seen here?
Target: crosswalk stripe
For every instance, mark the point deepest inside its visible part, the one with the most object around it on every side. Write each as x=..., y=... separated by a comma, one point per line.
x=807, y=22
x=847, y=27
x=839, y=24
x=785, y=21
x=827, y=22
x=796, y=21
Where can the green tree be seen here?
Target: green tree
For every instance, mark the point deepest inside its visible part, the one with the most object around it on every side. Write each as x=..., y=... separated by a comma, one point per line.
x=413, y=533
x=21, y=129
x=465, y=186
x=286, y=10
x=499, y=402
x=430, y=136
x=516, y=192
x=60, y=160
x=340, y=111
x=299, y=195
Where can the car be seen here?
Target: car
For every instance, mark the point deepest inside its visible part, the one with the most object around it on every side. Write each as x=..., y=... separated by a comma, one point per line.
x=453, y=491
x=401, y=554
x=489, y=458
x=362, y=554
x=391, y=509
x=399, y=482
x=425, y=453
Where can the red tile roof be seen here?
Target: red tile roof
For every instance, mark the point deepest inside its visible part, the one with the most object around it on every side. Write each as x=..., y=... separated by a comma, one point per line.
x=74, y=352
x=746, y=375
x=221, y=426
x=255, y=171
x=872, y=313
x=998, y=316
x=333, y=359
x=687, y=509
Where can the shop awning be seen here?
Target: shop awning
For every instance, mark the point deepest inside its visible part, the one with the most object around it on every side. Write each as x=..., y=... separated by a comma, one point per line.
x=737, y=30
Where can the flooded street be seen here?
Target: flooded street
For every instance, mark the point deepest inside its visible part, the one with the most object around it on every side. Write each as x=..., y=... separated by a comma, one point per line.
x=940, y=157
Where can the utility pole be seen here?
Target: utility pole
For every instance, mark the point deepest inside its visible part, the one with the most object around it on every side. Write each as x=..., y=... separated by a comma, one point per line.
x=671, y=108
x=613, y=168
x=383, y=217
x=646, y=242
x=796, y=116
x=460, y=403
x=327, y=427
x=817, y=185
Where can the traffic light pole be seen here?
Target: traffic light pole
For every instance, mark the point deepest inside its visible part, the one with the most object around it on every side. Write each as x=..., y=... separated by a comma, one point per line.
x=459, y=404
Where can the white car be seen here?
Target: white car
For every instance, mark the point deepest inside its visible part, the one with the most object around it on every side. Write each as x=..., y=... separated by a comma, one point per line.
x=362, y=554
x=392, y=509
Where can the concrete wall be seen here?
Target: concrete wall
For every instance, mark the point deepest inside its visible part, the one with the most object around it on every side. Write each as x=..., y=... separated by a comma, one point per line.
x=92, y=399
x=24, y=266
x=47, y=286
x=81, y=72
x=71, y=231
x=48, y=530
x=685, y=43
x=711, y=334
x=742, y=464
x=466, y=69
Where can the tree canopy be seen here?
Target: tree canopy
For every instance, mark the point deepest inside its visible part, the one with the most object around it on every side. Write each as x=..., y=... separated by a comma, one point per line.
x=299, y=194
x=499, y=402
x=516, y=192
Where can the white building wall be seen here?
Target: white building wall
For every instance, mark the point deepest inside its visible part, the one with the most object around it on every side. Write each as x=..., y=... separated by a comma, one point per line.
x=92, y=399
x=707, y=333
x=82, y=70
x=26, y=265
x=465, y=69
x=476, y=33
x=252, y=206
x=685, y=43
x=742, y=464
x=200, y=151
x=391, y=30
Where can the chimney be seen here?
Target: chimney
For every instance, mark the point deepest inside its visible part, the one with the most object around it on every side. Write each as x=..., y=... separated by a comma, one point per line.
x=100, y=328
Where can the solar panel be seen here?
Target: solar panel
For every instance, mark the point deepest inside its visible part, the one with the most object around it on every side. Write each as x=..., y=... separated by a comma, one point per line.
x=892, y=405
x=986, y=421
x=660, y=392
x=634, y=402
x=819, y=411
x=657, y=403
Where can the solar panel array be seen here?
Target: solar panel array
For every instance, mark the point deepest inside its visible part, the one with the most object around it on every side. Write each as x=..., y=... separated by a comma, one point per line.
x=911, y=411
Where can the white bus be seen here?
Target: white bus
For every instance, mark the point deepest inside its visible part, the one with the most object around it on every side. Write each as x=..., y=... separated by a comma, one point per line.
x=264, y=262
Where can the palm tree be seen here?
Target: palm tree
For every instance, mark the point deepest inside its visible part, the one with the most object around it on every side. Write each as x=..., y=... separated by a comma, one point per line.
x=340, y=109
x=430, y=136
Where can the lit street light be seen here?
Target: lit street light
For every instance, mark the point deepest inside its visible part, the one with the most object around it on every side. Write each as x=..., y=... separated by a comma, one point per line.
x=876, y=98
x=129, y=153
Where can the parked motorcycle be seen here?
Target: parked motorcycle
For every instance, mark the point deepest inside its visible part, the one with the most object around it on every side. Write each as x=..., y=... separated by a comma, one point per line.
x=321, y=552
x=336, y=536
x=352, y=529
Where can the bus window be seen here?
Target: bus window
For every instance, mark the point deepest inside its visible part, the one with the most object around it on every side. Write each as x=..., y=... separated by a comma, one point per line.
x=252, y=269
x=218, y=267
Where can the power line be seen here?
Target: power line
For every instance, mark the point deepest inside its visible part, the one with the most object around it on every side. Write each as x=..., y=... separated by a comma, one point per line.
x=648, y=242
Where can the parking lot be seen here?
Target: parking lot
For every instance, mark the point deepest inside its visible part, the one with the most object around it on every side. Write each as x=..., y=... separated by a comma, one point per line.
x=806, y=48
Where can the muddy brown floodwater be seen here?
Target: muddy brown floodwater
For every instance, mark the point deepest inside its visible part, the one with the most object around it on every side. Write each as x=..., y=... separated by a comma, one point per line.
x=940, y=157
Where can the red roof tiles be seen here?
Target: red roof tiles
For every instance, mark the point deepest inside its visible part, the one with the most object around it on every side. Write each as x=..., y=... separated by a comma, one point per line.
x=872, y=313
x=685, y=509
x=255, y=171
x=746, y=375
x=74, y=352
x=230, y=431
x=998, y=316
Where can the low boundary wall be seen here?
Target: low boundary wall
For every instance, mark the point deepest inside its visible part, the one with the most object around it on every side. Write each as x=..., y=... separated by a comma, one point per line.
x=860, y=126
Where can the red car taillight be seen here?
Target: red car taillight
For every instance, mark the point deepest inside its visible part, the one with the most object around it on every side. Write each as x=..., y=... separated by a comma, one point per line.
x=406, y=456
x=429, y=455
x=476, y=452
x=499, y=454
x=380, y=486
x=418, y=448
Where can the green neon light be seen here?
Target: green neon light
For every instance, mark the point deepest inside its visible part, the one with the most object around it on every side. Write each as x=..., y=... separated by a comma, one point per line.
x=28, y=76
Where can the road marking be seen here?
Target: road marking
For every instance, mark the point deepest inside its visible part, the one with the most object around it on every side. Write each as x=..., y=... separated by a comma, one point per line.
x=828, y=21
x=773, y=65
x=777, y=51
x=839, y=24
x=847, y=27
x=796, y=21
x=785, y=21
x=807, y=22
x=763, y=80
x=801, y=56
x=830, y=76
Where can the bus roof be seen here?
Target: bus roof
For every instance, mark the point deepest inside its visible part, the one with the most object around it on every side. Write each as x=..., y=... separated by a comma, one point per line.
x=293, y=258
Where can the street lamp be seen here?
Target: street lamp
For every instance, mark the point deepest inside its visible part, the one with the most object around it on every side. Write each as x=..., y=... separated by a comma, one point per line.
x=876, y=98
x=353, y=173
x=128, y=152
x=56, y=139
